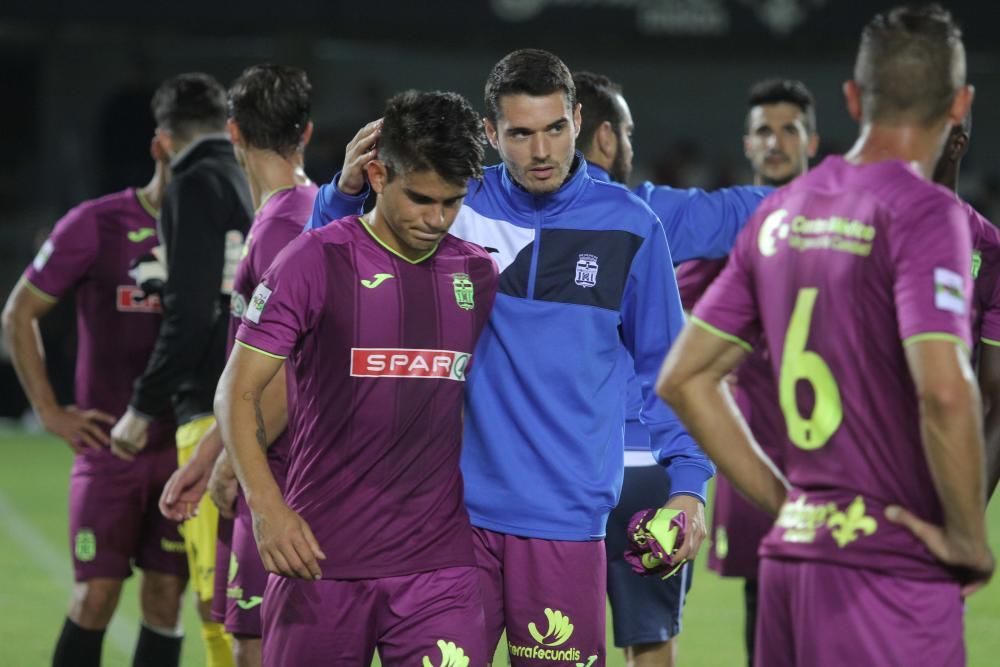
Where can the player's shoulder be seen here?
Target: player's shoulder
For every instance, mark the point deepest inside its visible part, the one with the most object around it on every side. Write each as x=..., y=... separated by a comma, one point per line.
x=344, y=231
x=613, y=207
x=898, y=185
x=106, y=207
x=985, y=236
x=456, y=247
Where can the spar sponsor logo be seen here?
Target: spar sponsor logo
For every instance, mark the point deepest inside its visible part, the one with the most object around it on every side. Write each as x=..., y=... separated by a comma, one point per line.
x=405, y=363
x=132, y=299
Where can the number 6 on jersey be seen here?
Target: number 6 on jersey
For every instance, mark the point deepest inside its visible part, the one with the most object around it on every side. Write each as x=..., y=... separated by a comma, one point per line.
x=797, y=363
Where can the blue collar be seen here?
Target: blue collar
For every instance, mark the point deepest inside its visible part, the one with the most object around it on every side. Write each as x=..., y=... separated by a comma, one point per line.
x=598, y=173
x=553, y=203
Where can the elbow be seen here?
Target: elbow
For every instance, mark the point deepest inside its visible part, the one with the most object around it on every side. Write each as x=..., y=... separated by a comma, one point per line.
x=11, y=317
x=949, y=396
x=669, y=388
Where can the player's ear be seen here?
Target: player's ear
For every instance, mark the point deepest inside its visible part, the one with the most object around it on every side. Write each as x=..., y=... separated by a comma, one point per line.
x=491, y=133
x=577, y=120
x=307, y=134
x=852, y=98
x=156, y=150
x=961, y=105
x=813, y=145
x=162, y=146
x=605, y=140
x=378, y=175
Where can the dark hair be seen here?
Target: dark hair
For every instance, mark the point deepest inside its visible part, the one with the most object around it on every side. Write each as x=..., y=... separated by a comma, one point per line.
x=527, y=71
x=270, y=103
x=910, y=64
x=190, y=104
x=596, y=94
x=434, y=131
x=775, y=91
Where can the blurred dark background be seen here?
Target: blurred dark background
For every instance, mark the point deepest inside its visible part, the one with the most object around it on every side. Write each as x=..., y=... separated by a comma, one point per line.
x=76, y=79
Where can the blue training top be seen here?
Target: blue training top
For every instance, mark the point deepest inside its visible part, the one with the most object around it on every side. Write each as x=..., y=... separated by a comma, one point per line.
x=698, y=225
x=586, y=275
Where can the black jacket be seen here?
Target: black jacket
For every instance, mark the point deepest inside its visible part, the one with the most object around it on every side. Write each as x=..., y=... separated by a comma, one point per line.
x=207, y=206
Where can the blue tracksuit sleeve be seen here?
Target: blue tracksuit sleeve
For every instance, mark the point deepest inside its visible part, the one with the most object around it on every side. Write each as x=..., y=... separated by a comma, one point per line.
x=332, y=204
x=652, y=320
x=700, y=224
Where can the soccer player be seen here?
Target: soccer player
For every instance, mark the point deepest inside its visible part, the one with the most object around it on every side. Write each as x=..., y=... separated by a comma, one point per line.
x=112, y=519
x=867, y=327
x=206, y=214
x=646, y=615
x=985, y=298
x=586, y=287
x=269, y=126
x=378, y=317
x=780, y=139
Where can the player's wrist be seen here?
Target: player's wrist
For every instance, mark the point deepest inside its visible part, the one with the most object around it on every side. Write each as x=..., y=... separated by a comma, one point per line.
x=46, y=411
x=263, y=501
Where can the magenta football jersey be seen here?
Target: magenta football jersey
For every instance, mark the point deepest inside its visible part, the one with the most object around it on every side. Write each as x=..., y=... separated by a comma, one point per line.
x=838, y=272
x=986, y=273
x=91, y=251
x=379, y=347
x=278, y=222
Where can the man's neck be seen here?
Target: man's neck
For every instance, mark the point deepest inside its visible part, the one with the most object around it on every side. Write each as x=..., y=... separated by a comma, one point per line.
x=267, y=172
x=915, y=145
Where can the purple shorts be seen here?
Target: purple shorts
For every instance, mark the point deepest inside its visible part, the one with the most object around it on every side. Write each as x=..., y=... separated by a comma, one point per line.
x=223, y=567
x=737, y=529
x=549, y=594
x=114, y=518
x=247, y=577
x=826, y=615
x=432, y=618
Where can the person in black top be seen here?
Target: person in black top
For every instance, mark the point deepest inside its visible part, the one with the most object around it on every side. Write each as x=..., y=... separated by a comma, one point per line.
x=206, y=214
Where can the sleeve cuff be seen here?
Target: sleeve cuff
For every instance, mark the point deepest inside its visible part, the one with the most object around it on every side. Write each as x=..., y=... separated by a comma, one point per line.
x=689, y=479
x=334, y=194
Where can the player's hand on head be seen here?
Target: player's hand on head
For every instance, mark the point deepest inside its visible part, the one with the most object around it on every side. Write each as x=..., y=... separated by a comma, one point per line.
x=223, y=486
x=184, y=490
x=361, y=150
x=286, y=544
x=972, y=557
x=81, y=429
x=128, y=437
x=696, y=531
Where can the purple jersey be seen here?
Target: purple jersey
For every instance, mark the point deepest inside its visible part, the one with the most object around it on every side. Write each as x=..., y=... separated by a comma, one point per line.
x=986, y=273
x=738, y=526
x=91, y=250
x=279, y=221
x=839, y=272
x=379, y=347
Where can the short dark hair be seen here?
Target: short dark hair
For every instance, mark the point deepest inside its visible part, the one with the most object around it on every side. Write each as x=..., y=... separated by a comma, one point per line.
x=527, y=71
x=910, y=64
x=596, y=95
x=189, y=104
x=776, y=91
x=432, y=131
x=270, y=103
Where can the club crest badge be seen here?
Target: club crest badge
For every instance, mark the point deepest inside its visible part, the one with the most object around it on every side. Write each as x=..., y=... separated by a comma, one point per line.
x=465, y=295
x=586, y=270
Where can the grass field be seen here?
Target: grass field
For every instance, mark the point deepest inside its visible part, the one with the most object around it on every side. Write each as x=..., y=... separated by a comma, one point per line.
x=35, y=561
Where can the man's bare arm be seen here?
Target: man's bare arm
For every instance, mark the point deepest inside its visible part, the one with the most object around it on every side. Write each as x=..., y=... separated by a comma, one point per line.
x=692, y=381
x=286, y=543
x=80, y=429
x=951, y=429
x=989, y=388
